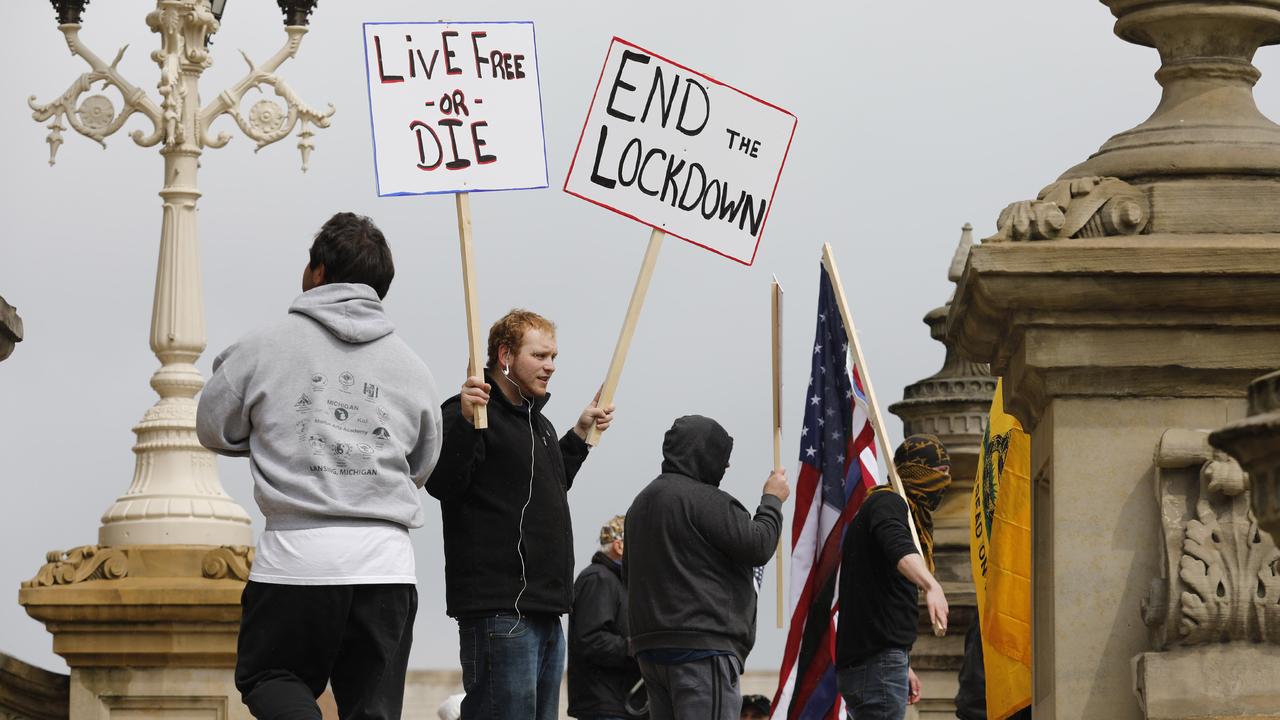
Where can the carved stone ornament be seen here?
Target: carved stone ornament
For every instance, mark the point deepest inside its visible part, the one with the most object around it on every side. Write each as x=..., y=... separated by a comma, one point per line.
x=1220, y=579
x=87, y=562
x=229, y=561
x=1079, y=208
x=266, y=116
x=96, y=112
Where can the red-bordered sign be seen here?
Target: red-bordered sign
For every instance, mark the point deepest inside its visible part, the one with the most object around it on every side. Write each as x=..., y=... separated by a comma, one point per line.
x=680, y=151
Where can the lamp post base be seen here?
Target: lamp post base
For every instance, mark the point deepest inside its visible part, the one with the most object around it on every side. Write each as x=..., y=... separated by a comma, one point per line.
x=149, y=632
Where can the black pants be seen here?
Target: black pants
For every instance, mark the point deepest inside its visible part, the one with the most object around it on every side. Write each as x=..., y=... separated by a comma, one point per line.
x=295, y=639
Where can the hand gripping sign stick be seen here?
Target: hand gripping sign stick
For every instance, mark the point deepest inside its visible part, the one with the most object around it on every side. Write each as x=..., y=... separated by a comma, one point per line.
x=882, y=439
x=775, y=292
x=480, y=416
x=628, y=328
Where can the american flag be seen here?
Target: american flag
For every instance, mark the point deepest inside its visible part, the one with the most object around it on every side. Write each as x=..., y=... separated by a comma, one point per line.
x=837, y=468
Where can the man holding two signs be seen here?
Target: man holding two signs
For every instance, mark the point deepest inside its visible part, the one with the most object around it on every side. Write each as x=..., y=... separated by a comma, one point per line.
x=508, y=539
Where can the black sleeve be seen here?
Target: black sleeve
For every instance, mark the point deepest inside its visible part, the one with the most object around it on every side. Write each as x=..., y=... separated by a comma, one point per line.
x=595, y=627
x=574, y=451
x=461, y=451
x=746, y=539
x=889, y=528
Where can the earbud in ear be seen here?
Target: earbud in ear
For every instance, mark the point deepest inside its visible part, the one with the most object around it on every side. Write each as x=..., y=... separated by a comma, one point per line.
x=507, y=370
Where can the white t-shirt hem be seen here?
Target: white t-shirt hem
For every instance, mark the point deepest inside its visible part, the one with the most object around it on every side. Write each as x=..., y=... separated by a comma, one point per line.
x=336, y=555
x=370, y=580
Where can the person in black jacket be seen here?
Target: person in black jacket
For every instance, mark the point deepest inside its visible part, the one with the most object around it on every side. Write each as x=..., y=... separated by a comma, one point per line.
x=603, y=677
x=880, y=571
x=691, y=552
x=508, y=540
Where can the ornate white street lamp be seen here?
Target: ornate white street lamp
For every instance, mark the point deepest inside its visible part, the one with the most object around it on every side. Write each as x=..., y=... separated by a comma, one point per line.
x=175, y=497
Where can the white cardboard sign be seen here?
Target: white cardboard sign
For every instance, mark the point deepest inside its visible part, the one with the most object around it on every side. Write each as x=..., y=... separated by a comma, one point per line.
x=454, y=107
x=681, y=152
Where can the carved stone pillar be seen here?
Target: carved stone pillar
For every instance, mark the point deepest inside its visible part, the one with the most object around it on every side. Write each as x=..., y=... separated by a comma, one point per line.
x=1255, y=442
x=10, y=328
x=953, y=404
x=1139, y=292
x=1214, y=610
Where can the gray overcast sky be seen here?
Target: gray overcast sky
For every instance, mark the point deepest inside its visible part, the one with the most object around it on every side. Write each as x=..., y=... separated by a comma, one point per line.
x=913, y=119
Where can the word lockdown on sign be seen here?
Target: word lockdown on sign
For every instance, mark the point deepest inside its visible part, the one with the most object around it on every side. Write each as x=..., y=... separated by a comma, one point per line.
x=681, y=152
x=454, y=107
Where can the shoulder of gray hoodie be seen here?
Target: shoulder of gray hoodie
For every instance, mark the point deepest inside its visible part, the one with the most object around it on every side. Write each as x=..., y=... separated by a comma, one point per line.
x=335, y=345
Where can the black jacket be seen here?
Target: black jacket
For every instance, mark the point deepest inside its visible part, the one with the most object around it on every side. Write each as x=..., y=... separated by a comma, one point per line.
x=691, y=549
x=601, y=671
x=482, y=481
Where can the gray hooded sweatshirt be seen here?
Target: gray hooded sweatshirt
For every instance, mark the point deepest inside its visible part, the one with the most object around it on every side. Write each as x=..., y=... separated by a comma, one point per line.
x=339, y=418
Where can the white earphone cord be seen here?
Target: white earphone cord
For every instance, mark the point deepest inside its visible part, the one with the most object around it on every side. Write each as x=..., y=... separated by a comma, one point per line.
x=524, y=582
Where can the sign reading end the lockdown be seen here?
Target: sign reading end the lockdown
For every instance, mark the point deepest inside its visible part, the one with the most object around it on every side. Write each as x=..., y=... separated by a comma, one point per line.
x=681, y=152
x=455, y=107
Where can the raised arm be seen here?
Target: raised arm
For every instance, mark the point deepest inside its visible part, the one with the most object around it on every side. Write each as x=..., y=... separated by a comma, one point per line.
x=747, y=539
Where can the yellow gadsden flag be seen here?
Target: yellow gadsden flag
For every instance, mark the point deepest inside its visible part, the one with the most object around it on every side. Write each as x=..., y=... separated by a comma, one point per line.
x=1000, y=550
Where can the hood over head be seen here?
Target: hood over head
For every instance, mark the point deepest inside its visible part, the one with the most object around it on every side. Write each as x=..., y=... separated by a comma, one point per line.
x=697, y=447
x=351, y=311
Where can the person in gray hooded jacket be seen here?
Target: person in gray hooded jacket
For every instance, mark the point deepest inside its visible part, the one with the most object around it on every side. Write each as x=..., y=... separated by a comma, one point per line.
x=691, y=552
x=340, y=421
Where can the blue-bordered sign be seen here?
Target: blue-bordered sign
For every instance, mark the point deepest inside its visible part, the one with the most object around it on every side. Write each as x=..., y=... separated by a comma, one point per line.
x=454, y=107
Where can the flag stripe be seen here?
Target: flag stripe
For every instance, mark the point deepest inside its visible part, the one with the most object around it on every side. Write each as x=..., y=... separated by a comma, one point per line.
x=838, y=466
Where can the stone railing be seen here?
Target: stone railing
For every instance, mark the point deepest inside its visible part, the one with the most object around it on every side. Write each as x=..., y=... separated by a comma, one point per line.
x=29, y=693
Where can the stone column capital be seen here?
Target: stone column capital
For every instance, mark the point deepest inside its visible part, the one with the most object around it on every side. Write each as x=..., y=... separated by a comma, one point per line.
x=1144, y=315
x=141, y=605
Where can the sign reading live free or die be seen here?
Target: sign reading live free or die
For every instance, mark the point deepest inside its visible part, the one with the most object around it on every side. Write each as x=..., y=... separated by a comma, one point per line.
x=681, y=152
x=454, y=107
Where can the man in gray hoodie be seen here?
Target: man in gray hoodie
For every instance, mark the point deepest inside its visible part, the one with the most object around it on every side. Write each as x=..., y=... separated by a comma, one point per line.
x=340, y=421
x=691, y=552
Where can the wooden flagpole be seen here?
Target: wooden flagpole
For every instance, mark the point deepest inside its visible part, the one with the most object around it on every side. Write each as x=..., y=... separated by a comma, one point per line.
x=628, y=328
x=475, y=368
x=882, y=438
x=776, y=312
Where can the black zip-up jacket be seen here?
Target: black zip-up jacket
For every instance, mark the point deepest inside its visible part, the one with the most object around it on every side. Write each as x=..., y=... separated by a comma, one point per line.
x=482, y=481
x=601, y=671
x=691, y=549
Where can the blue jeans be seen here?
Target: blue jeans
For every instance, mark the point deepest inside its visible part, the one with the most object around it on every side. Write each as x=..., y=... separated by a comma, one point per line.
x=511, y=666
x=877, y=688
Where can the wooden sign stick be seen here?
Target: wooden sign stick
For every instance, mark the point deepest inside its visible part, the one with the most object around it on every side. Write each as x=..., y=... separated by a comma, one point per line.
x=882, y=438
x=776, y=312
x=475, y=367
x=628, y=328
